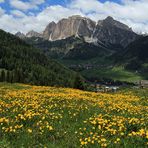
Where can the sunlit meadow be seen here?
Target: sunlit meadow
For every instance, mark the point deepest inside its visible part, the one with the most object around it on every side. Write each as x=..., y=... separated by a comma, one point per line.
x=34, y=116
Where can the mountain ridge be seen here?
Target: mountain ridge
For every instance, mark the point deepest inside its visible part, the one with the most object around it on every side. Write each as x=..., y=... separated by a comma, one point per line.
x=108, y=30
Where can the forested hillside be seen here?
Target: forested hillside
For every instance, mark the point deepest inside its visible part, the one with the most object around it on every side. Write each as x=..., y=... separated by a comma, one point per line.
x=73, y=48
x=20, y=62
x=135, y=56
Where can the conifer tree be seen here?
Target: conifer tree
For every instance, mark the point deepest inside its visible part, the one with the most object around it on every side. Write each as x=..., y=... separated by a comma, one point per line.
x=79, y=83
x=3, y=76
x=8, y=76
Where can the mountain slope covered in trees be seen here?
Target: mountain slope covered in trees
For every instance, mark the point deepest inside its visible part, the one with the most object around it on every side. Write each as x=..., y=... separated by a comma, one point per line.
x=97, y=62
x=137, y=50
x=20, y=62
x=73, y=48
x=135, y=56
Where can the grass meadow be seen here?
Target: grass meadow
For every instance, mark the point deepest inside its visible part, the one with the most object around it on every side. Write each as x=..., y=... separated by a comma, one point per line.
x=50, y=117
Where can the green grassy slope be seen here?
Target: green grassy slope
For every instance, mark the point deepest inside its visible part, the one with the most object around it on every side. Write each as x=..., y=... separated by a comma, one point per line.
x=115, y=73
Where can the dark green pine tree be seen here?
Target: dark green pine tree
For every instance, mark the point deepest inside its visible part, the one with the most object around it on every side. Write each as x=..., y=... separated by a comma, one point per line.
x=0, y=78
x=3, y=76
x=17, y=75
x=79, y=83
x=8, y=76
x=11, y=77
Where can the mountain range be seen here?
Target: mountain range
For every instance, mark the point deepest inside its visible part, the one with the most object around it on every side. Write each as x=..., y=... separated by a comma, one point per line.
x=81, y=42
x=105, y=31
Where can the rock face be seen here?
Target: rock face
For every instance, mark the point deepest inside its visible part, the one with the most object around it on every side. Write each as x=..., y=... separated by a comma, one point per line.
x=106, y=31
x=73, y=26
x=114, y=32
x=33, y=33
x=20, y=35
x=49, y=30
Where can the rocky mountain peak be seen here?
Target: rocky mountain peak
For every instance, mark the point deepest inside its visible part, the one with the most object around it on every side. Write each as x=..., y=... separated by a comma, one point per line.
x=109, y=18
x=109, y=30
x=48, y=30
x=71, y=26
x=78, y=17
x=112, y=22
x=33, y=33
x=75, y=17
x=112, y=31
x=20, y=35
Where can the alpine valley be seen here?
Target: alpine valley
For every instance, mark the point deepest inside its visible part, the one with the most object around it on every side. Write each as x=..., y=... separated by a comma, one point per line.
x=75, y=82
x=107, y=49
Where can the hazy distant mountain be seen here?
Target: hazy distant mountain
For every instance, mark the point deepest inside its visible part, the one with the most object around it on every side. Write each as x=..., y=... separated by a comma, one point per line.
x=30, y=34
x=20, y=35
x=33, y=33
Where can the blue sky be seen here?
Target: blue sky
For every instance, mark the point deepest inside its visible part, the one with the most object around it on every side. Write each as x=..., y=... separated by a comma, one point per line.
x=25, y=15
x=7, y=7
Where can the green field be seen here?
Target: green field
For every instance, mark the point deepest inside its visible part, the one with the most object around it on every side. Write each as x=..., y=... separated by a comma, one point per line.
x=116, y=73
x=105, y=68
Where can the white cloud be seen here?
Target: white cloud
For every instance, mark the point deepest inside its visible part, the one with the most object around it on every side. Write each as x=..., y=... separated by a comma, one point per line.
x=133, y=13
x=26, y=23
x=55, y=13
x=32, y=4
x=37, y=2
x=17, y=13
x=1, y=11
x=130, y=9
